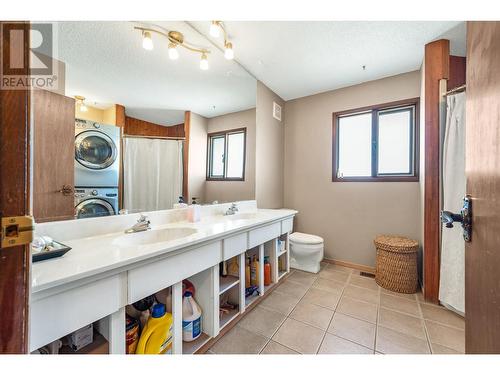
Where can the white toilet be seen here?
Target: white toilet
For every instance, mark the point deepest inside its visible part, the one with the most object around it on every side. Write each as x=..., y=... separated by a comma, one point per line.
x=306, y=252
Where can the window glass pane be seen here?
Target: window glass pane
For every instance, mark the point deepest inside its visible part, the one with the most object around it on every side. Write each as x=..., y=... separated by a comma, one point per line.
x=235, y=155
x=355, y=146
x=394, y=137
x=217, y=157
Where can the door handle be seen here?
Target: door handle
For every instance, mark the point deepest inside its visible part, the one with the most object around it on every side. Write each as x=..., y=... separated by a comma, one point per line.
x=464, y=217
x=66, y=190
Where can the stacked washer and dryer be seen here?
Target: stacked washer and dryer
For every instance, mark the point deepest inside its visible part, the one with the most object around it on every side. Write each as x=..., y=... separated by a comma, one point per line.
x=97, y=168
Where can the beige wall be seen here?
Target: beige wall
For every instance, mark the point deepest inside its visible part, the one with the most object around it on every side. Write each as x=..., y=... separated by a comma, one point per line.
x=348, y=215
x=227, y=191
x=269, y=150
x=197, y=157
x=103, y=116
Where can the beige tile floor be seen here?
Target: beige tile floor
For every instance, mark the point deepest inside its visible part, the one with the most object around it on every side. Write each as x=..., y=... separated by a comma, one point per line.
x=338, y=311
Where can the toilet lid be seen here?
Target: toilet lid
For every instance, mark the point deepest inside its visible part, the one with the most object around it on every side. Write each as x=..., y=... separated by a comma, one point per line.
x=304, y=238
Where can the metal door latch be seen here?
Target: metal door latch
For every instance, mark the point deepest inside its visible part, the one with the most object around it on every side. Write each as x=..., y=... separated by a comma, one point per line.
x=16, y=230
x=464, y=217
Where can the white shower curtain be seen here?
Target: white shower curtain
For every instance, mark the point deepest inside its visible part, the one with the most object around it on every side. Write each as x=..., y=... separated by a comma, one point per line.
x=152, y=171
x=452, y=276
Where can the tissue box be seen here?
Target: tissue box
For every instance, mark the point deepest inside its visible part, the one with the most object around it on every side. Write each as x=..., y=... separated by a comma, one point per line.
x=81, y=338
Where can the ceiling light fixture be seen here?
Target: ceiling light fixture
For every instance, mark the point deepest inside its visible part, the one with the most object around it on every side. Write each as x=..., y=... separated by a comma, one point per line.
x=228, y=51
x=80, y=103
x=204, y=62
x=147, y=41
x=176, y=39
x=173, y=54
x=215, y=28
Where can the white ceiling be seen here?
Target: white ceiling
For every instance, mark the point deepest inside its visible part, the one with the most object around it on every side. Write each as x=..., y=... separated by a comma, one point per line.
x=105, y=62
x=298, y=58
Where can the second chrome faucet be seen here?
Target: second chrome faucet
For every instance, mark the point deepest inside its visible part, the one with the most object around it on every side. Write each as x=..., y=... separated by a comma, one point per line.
x=142, y=225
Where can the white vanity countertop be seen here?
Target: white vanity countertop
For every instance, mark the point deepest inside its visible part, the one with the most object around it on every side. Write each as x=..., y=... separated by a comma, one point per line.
x=105, y=252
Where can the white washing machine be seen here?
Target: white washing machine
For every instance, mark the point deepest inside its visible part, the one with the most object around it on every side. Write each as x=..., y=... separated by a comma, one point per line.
x=95, y=202
x=97, y=154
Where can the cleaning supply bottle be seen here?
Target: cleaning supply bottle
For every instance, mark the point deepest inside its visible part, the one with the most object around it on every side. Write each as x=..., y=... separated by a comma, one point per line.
x=233, y=268
x=247, y=273
x=254, y=272
x=267, y=271
x=191, y=318
x=156, y=337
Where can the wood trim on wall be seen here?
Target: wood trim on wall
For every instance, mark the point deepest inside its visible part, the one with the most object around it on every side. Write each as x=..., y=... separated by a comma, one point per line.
x=138, y=127
x=185, y=156
x=356, y=266
x=436, y=68
x=120, y=122
x=120, y=115
x=458, y=67
x=14, y=201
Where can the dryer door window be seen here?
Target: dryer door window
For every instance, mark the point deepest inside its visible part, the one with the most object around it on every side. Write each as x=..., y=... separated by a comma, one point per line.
x=95, y=150
x=94, y=208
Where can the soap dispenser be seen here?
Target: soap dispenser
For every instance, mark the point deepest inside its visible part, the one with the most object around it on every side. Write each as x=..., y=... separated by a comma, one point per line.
x=180, y=203
x=194, y=211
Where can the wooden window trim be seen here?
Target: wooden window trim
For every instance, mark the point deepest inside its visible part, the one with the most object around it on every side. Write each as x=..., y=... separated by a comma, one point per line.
x=225, y=133
x=374, y=109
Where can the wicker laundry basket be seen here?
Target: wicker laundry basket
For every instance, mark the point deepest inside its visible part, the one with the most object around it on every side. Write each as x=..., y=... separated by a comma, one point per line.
x=396, y=263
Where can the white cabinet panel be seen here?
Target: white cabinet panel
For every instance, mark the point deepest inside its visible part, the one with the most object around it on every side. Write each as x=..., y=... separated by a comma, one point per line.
x=286, y=225
x=234, y=245
x=150, y=278
x=59, y=314
x=260, y=235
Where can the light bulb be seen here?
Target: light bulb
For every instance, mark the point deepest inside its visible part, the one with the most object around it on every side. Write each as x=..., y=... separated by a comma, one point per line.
x=80, y=103
x=173, y=54
x=204, y=62
x=214, y=29
x=229, y=53
x=147, y=42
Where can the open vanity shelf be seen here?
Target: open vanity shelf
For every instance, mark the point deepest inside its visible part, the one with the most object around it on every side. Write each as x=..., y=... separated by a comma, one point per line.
x=221, y=295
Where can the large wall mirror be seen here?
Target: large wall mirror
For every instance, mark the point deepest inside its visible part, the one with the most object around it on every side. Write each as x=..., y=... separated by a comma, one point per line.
x=139, y=120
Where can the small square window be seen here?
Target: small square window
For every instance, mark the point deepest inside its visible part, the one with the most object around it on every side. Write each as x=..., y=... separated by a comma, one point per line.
x=226, y=155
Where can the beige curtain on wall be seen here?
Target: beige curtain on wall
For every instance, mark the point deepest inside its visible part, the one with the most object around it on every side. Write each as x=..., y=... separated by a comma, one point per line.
x=152, y=173
x=452, y=275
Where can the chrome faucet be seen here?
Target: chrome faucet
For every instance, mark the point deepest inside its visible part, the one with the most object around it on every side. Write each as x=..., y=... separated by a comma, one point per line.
x=142, y=225
x=231, y=210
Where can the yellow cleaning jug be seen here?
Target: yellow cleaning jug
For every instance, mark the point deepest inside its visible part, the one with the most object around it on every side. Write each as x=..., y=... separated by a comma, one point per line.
x=156, y=337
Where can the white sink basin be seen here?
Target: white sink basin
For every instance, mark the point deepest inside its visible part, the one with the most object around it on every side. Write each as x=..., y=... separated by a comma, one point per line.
x=243, y=216
x=153, y=236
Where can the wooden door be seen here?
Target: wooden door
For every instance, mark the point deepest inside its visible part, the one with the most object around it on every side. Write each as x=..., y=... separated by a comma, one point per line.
x=14, y=201
x=482, y=254
x=54, y=155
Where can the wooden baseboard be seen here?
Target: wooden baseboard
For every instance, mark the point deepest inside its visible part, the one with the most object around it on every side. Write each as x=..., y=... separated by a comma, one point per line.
x=356, y=266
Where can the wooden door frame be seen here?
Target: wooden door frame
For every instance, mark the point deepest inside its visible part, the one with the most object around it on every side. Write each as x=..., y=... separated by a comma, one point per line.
x=15, y=261
x=436, y=68
x=439, y=64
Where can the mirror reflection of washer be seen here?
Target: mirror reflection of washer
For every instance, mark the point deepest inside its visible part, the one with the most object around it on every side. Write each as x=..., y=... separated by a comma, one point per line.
x=97, y=151
x=95, y=202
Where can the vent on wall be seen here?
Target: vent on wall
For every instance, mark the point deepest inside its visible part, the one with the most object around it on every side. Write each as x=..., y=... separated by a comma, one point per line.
x=276, y=111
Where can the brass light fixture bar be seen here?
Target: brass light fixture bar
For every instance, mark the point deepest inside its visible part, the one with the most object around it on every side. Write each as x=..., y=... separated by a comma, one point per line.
x=228, y=46
x=175, y=38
